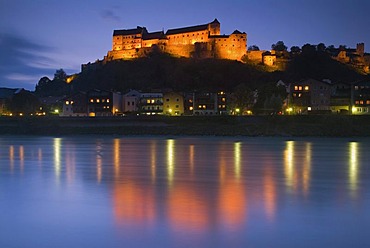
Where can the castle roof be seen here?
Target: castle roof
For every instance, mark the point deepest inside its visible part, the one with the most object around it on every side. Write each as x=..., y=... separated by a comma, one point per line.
x=237, y=32
x=154, y=35
x=220, y=36
x=137, y=30
x=187, y=29
x=215, y=21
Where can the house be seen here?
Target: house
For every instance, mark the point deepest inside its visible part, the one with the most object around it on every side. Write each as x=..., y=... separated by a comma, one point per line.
x=309, y=96
x=75, y=105
x=131, y=101
x=173, y=103
x=210, y=103
x=151, y=103
x=103, y=103
x=340, y=99
x=361, y=98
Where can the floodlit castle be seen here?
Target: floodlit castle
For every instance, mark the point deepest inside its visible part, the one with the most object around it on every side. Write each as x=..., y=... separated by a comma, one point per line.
x=201, y=41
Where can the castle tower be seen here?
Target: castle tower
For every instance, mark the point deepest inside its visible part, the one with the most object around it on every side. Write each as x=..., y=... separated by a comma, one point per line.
x=214, y=27
x=360, y=49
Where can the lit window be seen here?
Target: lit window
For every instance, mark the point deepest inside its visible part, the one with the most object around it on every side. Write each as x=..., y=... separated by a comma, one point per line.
x=67, y=102
x=295, y=87
x=299, y=87
x=368, y=102
x=306, y=87
x=357, y=102
x=107, y=100
x=223, y=99
x=153, y=101
x=361, y=102
x=200, y=106
x=91, y=100
x=97, y=100
x=204, y=106
x=148, y=101
x=191, y=108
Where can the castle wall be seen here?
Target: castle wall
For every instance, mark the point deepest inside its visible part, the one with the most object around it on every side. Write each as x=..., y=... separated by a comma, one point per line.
x=188, y=38
x=199, y=41
x=180, y=50
x=255, y=56
x=231, y=47
x=123, y=42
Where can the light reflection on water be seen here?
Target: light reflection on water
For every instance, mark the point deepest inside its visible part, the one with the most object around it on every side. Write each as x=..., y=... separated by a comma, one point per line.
x=199, y=192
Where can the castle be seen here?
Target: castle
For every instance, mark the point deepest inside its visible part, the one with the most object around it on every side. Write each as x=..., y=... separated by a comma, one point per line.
x=201, y=41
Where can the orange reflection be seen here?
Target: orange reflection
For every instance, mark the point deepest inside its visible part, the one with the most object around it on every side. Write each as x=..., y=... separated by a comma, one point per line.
x=269, y=193
x=191, y=159
x=116, y=155
x=232, y=203
x=11, y=157
x=153, y=160
x=133, y=204
x=21, y=157
x=187, y=209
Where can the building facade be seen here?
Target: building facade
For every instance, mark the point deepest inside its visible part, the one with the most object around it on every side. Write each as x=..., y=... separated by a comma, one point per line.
x=201, y=41
x=310, y=95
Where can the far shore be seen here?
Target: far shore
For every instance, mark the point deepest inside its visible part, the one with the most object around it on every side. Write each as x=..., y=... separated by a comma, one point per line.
x=284, y=126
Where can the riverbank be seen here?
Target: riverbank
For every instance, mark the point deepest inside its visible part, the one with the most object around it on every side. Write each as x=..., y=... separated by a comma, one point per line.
x=304, y=125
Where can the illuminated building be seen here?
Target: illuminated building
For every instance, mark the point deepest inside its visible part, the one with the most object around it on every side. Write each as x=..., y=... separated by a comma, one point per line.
x=151, y=103
x=310, y=95
x=103, y=103
x=201, y=41
x=75, y=105
x=173, y=104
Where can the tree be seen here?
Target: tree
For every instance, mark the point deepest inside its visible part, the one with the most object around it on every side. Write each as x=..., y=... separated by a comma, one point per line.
x=295, y=50
x=60, y=75
x=279, y=46
x=43, y=82
x=253, y=48
x=308, y=49
x=321, y=47
x=242, y=98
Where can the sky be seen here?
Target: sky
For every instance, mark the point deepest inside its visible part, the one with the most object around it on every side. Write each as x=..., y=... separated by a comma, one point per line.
x=37, y=37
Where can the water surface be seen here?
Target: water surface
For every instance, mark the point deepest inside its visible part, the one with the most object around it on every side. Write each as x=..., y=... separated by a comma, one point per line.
x=184, y=192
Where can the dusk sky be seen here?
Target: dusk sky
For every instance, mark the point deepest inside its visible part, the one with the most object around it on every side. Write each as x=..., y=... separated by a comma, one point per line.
x=37, y=37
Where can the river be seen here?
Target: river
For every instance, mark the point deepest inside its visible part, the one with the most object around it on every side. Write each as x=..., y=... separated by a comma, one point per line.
x=106, y=191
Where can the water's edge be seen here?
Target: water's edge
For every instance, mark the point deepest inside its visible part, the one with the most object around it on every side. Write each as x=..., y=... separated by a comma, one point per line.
x=309, y=125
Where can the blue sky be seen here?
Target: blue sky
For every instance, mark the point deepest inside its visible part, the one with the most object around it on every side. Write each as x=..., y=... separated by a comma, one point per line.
x=40, y=36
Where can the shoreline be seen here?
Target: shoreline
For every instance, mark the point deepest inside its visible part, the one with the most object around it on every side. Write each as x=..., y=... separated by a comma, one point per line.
x=249, y=126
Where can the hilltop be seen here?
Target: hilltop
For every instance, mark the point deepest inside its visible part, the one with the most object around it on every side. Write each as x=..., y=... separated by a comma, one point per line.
x=161, y=71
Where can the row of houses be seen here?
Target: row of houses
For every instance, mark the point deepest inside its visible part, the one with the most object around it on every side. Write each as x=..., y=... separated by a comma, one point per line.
x=108, y=103
x=314, y=96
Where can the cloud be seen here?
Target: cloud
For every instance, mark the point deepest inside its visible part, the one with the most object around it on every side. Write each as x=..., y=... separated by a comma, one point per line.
x=21, y=60
x=110, y=15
